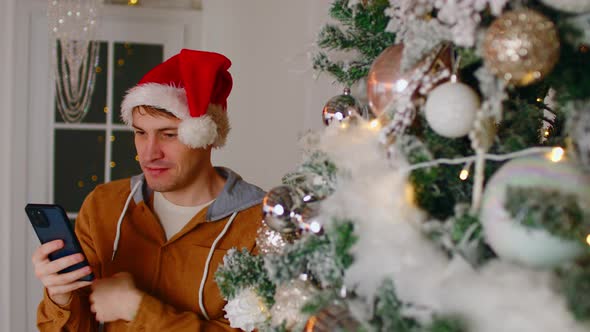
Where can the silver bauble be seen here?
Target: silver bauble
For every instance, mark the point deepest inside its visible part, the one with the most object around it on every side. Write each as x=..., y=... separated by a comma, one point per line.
x=340, y=107
x=278, y=208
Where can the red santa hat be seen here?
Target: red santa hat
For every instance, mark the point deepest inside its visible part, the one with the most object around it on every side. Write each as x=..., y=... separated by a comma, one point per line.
x=193, y=86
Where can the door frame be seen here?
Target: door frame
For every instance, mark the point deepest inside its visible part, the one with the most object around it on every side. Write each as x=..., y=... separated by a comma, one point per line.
x=32, y=118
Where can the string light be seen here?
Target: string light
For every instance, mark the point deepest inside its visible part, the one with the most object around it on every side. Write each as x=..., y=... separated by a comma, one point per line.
x=374, y=124
x=113, y=164
x=464, y=174
x=132, y=2
x=556, y=154
x=546, y=133
x=588, y=239
x=105, y=109
x=539, y=100
x=410, y=193
x=495, y=157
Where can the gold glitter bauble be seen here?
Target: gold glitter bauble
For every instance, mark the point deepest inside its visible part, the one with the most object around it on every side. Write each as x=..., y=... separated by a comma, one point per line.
x=521, y=46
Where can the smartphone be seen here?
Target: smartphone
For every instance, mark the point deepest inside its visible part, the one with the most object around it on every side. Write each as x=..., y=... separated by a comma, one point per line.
x=50, y=222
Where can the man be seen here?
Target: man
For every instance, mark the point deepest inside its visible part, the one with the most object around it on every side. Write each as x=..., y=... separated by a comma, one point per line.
x=155, y=241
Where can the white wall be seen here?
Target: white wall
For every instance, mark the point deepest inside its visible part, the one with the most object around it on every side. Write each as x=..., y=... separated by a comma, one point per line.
x=275, y=98
x=6, y=58
x=13, y=234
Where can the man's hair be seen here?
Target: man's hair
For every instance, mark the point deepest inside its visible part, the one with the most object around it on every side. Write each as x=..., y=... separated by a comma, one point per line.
x=153, y=111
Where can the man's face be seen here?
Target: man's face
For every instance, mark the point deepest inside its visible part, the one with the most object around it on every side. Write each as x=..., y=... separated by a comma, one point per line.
x=168, y=164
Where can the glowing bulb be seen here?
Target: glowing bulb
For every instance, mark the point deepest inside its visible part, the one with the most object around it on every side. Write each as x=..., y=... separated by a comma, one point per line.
x=546, y=133
x=539, y=100
x=278, y=210
x=557, y=154
x=374, y=124
x=343, y=125
x=464, y=174
x=132, y=2
x=410, y=193
x=401, y=85
x=316, y=227
x=588, y=239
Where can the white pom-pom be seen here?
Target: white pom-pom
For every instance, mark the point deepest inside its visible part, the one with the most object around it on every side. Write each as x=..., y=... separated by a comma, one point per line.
x=246, y=311
x=451, y=108
x=198, y=132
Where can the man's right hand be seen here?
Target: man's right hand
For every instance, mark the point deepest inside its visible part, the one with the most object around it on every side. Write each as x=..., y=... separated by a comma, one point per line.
x=59, y=286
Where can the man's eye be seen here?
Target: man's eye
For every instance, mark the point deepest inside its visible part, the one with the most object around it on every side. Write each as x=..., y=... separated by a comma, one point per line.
x=170, y=135
x=139, y=133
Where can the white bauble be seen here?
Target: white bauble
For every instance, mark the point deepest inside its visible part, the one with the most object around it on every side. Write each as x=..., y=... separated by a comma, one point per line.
x=571, y=6
x=512, y=241
x=450, y=109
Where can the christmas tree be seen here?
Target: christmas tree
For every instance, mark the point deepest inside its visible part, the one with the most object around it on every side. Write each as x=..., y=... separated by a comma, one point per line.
x=458, y=199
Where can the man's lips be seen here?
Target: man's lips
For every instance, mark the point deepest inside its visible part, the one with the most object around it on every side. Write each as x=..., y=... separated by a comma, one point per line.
x=155, y=170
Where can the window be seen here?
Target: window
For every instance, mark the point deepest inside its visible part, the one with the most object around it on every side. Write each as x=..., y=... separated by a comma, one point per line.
x=100, y=148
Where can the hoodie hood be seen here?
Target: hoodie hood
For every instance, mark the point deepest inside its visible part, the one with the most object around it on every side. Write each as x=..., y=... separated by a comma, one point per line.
x=236, y=195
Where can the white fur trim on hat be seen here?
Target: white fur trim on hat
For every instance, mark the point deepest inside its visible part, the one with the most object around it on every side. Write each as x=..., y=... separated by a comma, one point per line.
x=209, y=129
x=197, y=132
x=169, y=98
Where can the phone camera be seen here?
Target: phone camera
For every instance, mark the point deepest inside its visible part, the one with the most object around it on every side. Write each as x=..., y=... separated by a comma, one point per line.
x=38, y=218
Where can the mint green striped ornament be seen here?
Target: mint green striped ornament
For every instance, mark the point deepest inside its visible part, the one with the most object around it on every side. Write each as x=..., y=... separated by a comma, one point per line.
x=518, y=243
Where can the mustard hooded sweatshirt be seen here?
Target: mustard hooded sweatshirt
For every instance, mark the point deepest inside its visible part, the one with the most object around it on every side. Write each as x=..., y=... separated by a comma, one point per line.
x=168, y=272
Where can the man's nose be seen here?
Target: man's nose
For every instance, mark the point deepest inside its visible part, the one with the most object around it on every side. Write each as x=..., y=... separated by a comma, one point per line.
x=152, y=149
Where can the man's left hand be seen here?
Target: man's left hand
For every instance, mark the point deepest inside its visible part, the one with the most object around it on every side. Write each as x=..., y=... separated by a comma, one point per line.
x=115, y=298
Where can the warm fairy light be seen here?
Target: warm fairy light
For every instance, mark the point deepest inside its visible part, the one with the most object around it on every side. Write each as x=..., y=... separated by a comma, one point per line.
x=464, y=174
x=588, y=239
x=344, y=125
x=106, y=109
x=113, y=164
x=410, y=193
x=539, y=100
x=310, y=325
x=374, y=124
x=132, y=2
x=546, y=133
x=557, y=154
x=136, y=158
